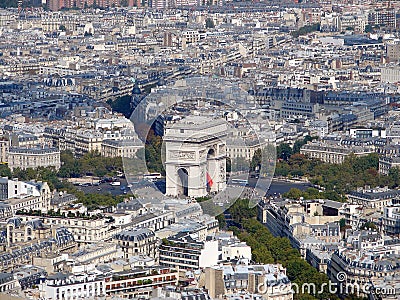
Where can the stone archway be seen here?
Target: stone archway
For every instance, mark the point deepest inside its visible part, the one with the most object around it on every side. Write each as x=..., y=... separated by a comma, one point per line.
x=198, y=145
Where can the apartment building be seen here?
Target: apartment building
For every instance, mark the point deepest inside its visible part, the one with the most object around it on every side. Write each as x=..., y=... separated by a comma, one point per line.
x=393, y=50
x=318, y=258
x=391, y=220
x=73, y=286
x=87, y=141
x=388, y=162
x=182, y=251
x=45, y=243
x=84, y=230
x=8, y=282
x=382, y=17
x=302, y=222
x=352, y=22
x=25, y=158
x=377, y=198
x=390, y=73
x=227, y=280
x=245, y=150
x=137, y=242
x=19, y=195
x=120, y=148
x=363, y=267
x=352, y=213
x=24, y=140
x=154, y=221
x=333, y=153
x=238, y=250
x=139, y=283
x=97, y=253
x=4, y=146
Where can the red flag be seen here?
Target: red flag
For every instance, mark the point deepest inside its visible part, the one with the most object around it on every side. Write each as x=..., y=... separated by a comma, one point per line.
x=209, y=180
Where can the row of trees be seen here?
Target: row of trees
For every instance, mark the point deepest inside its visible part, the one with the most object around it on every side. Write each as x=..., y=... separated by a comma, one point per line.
x=73, y=167
x=153, y=152
x=313, y=193
x=338, y=179
x=8, y=3
x=91, y=163
x=121, y=105
x=268, y=249
x=306, y=29
x=285, y=151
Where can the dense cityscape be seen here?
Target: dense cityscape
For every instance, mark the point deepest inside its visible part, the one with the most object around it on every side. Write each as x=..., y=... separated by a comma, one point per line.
x=192, y=149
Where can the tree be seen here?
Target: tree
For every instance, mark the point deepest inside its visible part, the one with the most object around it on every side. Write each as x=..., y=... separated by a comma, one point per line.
x=121, y=105
x=336, y=179
x=240, y=164
x=240, y=210
x=369, y=225
x=153, y=153
x=342, y=224
x=293, y=193
x=5, y=171
x=8, y=3
x=221, y=221
x=297, y=146
x=62, y=28
x=284, y=151
x=91, y=163
x=306, y=29
x=368, y=28
x=210, y=23
x=394, y=176
x=256, y=160
x=228, y=165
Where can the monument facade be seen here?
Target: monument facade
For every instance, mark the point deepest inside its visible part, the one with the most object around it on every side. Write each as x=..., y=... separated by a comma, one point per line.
x=195, y=156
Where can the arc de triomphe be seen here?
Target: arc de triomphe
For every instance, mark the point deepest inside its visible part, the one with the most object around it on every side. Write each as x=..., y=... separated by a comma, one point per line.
x=195, y=161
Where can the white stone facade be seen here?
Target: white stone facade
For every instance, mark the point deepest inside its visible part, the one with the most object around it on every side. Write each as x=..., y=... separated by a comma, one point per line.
x=195, y=157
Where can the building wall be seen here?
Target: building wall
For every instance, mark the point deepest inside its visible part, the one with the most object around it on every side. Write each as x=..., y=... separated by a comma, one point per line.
x=34, y=159
x=84, y=290
x=390, y=74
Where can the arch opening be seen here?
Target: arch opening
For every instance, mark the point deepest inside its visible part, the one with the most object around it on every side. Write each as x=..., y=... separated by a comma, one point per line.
x=183, y=184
